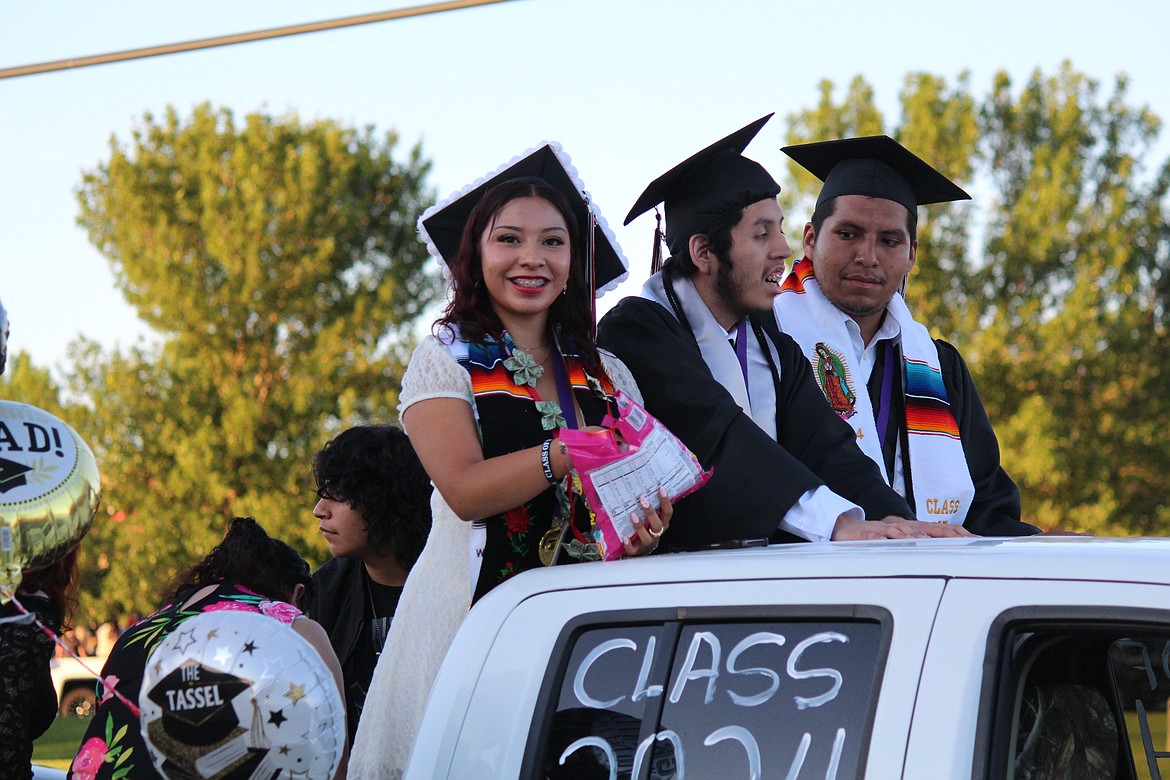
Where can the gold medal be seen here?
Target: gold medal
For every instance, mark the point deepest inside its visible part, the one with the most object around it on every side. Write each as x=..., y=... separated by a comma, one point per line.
x=550, y=543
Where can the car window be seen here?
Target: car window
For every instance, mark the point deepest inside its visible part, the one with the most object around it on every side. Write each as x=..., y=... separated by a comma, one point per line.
x=701, y=698
x=1140, y=667
x=1079, y=698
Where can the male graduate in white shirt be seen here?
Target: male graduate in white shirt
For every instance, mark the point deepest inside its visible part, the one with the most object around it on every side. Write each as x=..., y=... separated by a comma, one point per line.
x=703, y=345
x=908, y=397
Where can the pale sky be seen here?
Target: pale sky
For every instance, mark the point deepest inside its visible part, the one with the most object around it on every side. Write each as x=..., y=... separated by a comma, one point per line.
x=628, y=87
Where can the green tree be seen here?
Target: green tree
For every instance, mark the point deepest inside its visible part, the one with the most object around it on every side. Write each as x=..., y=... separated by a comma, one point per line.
x=857, y=114
x=279, y=263
x=28, y=384
x=1075, y=339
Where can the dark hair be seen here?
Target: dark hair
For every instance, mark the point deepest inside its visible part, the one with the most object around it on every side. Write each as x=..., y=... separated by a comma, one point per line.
x=58, y=581
x=471, y=307
x=827, y=208
x=718, y=235
x=374, y=469
x=249, y=557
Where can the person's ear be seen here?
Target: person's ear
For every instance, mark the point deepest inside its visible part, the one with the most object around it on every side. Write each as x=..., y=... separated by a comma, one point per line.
x=699, y=248
x=298, y=594
x=808, y=241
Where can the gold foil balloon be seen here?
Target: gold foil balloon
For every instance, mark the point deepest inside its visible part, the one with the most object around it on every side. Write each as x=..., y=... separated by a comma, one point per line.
x=49, y=490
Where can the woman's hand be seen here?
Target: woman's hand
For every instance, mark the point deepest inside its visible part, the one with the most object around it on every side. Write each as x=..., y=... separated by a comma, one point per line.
x=650, y=528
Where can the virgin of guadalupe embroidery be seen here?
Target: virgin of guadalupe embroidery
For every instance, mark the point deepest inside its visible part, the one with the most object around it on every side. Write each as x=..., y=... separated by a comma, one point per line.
x=835, y=380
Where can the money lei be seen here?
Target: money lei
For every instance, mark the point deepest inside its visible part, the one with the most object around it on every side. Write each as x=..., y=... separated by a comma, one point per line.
x=525, y=370
x=551, y=416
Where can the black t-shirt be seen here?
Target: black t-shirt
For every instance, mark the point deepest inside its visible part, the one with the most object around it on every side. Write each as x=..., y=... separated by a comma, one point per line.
x=381, y=601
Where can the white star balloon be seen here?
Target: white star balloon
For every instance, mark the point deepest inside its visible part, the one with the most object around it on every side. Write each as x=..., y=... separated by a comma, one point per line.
x=239, y=695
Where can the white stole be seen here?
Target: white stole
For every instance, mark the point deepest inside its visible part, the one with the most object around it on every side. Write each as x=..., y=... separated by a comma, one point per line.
x=943, y=490
x=719, y=356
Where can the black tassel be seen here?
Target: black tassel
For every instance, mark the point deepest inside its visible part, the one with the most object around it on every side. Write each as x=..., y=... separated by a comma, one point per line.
x=659, y=239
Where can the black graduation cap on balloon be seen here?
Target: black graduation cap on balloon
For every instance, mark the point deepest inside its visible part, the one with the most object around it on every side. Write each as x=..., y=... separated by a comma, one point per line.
x=708, y=185
x=876, y=166
x=442, y=225
x=12, y=475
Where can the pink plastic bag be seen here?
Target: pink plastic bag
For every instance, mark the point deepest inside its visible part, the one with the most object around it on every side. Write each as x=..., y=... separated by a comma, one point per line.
x=616, y=470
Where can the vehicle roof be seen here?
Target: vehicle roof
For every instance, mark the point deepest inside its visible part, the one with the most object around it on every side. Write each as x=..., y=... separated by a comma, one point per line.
x=1134, y=560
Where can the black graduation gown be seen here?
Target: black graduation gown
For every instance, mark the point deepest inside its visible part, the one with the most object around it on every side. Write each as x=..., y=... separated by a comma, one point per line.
x=995, y=509
x=756, y=479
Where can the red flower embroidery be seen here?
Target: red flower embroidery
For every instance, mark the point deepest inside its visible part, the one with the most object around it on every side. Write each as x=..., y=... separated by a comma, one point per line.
x=517, y=520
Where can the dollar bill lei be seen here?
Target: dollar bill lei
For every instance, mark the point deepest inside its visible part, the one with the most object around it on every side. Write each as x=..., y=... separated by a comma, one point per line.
x=579, y=547
x=524, y=368
x=551, y=416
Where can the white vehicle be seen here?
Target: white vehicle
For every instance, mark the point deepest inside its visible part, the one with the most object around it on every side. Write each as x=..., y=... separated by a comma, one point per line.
x=76, y=686
x=939, y=658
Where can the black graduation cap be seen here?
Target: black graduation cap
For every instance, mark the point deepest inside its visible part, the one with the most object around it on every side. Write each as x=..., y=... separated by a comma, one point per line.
x=707, y=186
x=12, y=475
x=441, y=225
x=876, y=166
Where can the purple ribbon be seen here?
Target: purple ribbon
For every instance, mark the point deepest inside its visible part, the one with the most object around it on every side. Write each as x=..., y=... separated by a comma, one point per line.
x=883, y=420
x=741, y=353
x=564, y=390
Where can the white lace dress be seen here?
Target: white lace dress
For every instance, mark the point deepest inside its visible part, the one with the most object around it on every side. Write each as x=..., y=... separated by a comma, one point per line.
x=437, y=593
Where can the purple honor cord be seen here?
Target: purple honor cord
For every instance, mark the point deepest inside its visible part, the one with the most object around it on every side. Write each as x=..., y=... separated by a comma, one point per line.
x=564, y=390
x=741, y=353
x=883, y=420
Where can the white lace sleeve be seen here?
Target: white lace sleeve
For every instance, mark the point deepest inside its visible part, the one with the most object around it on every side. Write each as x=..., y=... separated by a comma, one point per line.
x=620, y=376
x=433, y=373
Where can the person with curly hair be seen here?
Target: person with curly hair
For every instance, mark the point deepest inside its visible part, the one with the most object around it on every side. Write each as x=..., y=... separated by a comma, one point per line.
x=374, y=512
x=248, y=571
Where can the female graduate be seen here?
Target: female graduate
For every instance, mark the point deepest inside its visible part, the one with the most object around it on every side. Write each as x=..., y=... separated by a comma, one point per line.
x=512, y=361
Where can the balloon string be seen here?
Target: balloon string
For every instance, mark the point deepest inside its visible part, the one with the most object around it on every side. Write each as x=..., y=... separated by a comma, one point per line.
x=107, y=683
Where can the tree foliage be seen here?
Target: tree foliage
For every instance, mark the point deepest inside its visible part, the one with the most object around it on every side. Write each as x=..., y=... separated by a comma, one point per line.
x=278, y=260
x=1053, y=283
x=1076, y=338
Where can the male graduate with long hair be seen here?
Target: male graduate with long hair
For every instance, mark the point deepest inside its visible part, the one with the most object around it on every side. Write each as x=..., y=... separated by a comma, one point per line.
x=703, y=345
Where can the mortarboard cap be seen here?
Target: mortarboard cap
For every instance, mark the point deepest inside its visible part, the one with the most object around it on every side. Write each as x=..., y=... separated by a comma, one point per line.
x=441, y=226
x=12, y=474
x=708, y=185
x=876, y=166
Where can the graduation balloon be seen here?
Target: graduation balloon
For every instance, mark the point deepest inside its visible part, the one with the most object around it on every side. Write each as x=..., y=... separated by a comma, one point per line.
x=232, y=695
x=49, y=489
